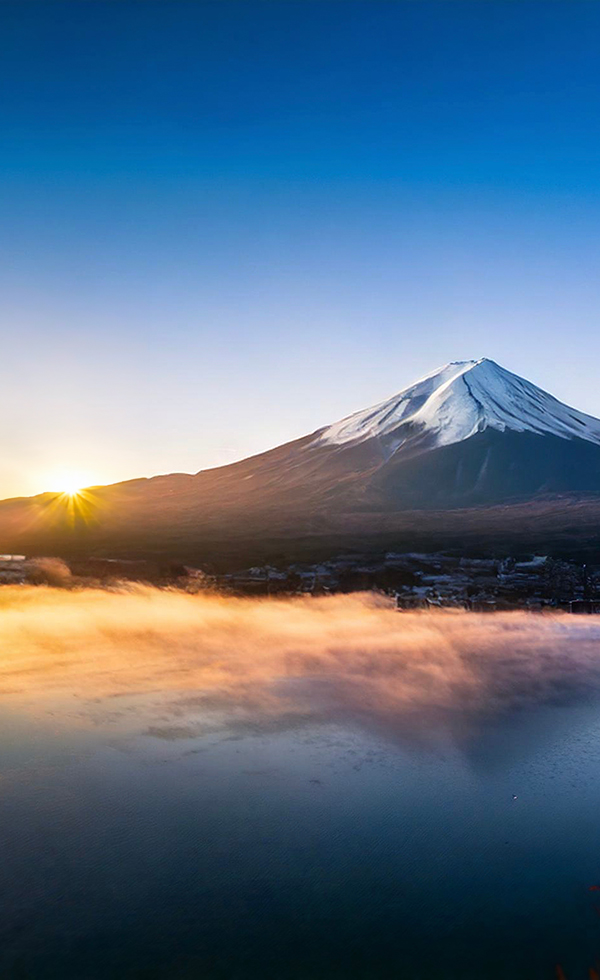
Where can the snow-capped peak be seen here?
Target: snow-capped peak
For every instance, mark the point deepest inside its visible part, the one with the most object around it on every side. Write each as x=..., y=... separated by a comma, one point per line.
x=459, y=400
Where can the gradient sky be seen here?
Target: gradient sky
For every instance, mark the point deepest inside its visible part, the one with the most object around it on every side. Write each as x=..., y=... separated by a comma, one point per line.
x=225, y=224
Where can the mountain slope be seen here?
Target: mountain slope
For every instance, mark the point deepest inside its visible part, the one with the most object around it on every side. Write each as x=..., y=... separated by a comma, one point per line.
x=458, y=401
x=470, y=435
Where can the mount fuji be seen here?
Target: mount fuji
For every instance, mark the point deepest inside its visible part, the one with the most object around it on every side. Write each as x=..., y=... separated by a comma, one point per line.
x=470, y=433
x=469, y=446
x=456, y=402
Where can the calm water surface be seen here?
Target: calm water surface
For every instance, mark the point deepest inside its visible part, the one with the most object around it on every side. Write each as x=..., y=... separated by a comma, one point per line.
x=143, y=842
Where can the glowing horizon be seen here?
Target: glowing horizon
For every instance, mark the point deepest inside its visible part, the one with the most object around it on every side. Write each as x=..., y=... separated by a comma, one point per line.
x=278, y=227
x=70, y=482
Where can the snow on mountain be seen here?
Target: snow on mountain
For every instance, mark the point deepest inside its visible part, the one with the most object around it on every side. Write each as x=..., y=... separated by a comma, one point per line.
x=457, y=401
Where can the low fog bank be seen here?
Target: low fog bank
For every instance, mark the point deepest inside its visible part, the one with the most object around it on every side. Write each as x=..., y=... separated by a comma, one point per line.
x=279, y=662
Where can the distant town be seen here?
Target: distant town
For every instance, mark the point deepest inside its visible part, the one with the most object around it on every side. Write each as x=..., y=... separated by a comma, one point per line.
x=414, y=580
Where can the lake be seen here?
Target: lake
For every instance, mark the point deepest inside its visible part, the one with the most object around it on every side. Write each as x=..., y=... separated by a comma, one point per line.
x=314, y=789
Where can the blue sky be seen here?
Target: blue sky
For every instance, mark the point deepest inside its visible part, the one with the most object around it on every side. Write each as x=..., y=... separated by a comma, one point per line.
x=225, y=224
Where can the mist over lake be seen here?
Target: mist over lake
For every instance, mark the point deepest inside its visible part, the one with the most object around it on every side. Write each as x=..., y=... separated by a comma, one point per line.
x=217, y=787
x=300, y=490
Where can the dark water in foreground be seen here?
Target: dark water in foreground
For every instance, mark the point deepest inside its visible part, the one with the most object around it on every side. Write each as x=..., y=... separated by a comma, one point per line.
x=297, y=848
x=316, y=852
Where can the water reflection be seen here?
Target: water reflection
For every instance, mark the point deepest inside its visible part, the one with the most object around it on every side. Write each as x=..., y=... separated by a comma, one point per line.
x=206, y=788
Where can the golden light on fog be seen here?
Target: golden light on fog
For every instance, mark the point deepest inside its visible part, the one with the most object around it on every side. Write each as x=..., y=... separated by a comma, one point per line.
x=288, y=661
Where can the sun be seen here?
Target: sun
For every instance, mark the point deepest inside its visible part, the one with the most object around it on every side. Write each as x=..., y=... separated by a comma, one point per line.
x=71, y=484
x=68, y=483
x=71, y=488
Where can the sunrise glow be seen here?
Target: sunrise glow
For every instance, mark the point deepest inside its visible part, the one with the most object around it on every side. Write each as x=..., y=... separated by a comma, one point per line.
x=72, y=489
x=68, y=482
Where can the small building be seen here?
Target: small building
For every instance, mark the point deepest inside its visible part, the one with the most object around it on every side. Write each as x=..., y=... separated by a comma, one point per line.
x=13, y=569
x=586, y=607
